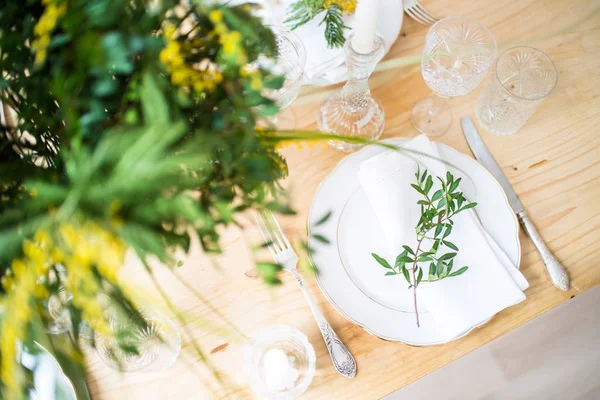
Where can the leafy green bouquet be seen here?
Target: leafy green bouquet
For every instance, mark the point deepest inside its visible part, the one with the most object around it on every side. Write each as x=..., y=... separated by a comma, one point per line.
x=124, y=124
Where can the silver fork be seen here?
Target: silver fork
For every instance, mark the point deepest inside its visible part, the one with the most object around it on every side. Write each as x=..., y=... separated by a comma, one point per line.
x=416, y=11
x=284, y=255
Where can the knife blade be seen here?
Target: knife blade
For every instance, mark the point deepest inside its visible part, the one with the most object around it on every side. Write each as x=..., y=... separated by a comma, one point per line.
x=555, y=271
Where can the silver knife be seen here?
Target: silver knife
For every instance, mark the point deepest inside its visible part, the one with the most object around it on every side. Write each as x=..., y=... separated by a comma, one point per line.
x=555, y=271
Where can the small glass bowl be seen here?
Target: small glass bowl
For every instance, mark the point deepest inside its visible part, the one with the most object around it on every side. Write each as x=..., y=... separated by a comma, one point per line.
x=264, y=359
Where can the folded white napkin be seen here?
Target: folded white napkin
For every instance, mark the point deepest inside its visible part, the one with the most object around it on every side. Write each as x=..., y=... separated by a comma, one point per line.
x=459, y=303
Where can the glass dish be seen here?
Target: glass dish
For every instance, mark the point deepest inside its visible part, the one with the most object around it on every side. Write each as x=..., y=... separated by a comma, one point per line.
x=279, y=363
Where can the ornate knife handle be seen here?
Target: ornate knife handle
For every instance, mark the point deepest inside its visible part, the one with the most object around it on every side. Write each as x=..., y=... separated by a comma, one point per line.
x=555, y=271
x=342, y=358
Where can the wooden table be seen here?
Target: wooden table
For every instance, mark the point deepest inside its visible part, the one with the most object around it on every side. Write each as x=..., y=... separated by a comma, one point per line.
x=553, y=164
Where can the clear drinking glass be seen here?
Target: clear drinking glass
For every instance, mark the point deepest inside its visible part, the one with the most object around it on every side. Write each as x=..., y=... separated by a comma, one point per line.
x=458, y=53
x=279, y=363
x=158, y=344
x=290, y=62
x=524, y=76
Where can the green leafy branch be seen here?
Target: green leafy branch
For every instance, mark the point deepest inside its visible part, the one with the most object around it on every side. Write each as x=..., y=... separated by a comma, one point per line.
x=303, y=11
x=434, y=228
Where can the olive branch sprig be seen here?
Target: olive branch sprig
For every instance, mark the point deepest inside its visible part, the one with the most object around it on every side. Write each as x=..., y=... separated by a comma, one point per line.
x=434, y=228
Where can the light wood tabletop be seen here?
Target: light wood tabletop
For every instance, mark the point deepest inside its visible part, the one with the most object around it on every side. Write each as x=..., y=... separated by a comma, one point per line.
x=553, y=163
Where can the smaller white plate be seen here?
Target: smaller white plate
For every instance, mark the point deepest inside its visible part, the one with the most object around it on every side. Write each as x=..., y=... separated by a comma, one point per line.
x=349, y=277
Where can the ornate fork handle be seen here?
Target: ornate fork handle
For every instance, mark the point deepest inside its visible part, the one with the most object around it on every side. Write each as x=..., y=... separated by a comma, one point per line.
x=342, y=359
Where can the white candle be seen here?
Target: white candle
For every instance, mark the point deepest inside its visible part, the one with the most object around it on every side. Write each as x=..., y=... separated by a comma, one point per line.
x=365, y=28
x=279, y=371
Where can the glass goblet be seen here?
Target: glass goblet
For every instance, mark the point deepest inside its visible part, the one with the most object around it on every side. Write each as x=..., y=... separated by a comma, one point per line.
x=290, y=63
x=457, y=55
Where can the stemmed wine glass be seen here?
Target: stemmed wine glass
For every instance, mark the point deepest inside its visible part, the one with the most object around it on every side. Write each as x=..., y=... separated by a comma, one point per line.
x=458, y=53
x=290, y=63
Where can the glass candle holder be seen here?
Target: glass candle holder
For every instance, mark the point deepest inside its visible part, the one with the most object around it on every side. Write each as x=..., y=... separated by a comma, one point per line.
x=524, y=77
x=353, y=112
x=158, y=343
x=279, y=363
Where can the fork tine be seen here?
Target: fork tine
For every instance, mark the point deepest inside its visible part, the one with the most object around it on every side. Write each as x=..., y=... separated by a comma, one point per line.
x=283, y=235
x=274, y=231
x=412, y=14
x=425, y=18
x=418, y=12
x=426, y=13
x=264, y=231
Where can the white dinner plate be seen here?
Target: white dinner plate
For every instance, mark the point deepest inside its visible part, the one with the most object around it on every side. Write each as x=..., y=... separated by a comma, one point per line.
x=326, y=66
x=347, y=274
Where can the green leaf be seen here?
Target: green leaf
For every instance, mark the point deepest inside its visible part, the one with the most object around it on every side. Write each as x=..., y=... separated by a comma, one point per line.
x=432, y=270
x=417, y=188
x=408, y=250
x=450, y=244
x=423, y=202
x=454, y=185
x=450, y=265
x=381, y=261
x=323, y=219
x=448, y=230
x=320, y=238
x=419, y=276
x=470, y=205
x=449, y=177
x=459, y=272
x=269, y=271
x=399, y=263
x=334, y=27
x=423, y=176
x=154, y=105
x=437, y=195
x=435, y=246
x=179, y=264
x=440, y=267
x=389, y=273
x=423, y=258
x=428, y=184
x=438, y=230
x=441, y=203
x=447, y=256
x=442, y=182
x=406, y=276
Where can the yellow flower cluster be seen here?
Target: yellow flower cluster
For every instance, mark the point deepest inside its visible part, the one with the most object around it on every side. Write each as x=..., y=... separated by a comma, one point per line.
x=17, y=313
x=347, y=6
x=78, y=249
x=231, y=41
x=173, y=57
x=44, y=28
x=86, y=246
x=256, y=82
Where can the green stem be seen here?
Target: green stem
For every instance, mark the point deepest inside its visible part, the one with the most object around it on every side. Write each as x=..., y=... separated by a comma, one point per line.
x=414, y=278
